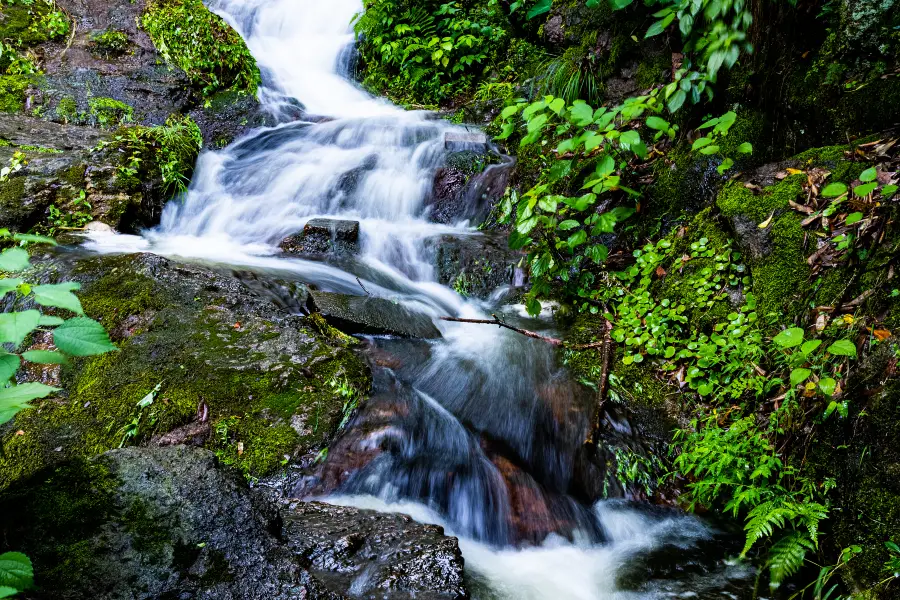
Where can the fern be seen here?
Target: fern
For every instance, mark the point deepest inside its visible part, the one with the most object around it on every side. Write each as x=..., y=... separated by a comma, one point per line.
x=787, y=556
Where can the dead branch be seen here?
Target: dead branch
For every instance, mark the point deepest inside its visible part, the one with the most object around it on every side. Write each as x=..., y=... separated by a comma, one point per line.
x=527, y=333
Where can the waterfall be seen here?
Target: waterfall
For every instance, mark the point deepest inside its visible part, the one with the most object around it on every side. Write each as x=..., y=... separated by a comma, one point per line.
x=480, y=429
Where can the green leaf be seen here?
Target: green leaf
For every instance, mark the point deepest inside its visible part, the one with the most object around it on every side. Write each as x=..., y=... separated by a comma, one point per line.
x=85, y=337
x=842, y=348
x=864, y=190
x=789, y=338
x=629, y=138
x=14, y=259
x=657, y=124
x=606, y=166
x=568, y=224
x=557, y=105
x=34, y=239
x=868, y=175
x=709, y=150
x=581, y=114
x=49, y=321
x=509, y=111
x=745, y=148
x=798, y=376
x=45, y=357
x=854, y=218
x=726, y=164
x=16, y=571
x=701, y=142
x=827, y=385
x=542, y=6
x=59, y=296
x=9, y=364
x=677, y=101
x=15, y=398
x=6, y=591
x=9, y=285
x=832, y=190
x=810, y=346
x=889, y=190
x=15, y=326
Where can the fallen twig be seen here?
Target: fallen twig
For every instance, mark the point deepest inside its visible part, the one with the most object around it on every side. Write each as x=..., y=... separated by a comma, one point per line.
x=527, y=333
x=359, y=281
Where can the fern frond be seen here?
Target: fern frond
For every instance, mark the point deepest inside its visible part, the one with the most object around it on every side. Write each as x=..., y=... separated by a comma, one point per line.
x=787, y=556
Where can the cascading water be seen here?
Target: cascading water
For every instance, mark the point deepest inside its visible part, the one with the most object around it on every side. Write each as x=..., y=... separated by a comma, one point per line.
x=478, y=430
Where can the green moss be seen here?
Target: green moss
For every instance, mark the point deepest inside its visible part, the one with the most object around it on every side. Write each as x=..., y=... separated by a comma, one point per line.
x=653, y=71
x=108, y=112
x=12, y=92
x=67, y=109
x=781, y=278
x=109, y=43
x=11, y=193
x=202, y=44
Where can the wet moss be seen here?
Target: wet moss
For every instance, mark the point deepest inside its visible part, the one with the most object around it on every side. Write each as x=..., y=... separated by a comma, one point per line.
x=12, y=92
x=275, y=390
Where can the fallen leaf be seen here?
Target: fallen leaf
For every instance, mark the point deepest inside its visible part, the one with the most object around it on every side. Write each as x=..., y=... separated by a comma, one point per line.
x=794, y=171
x=800, y=207
x=809, y=220
x=237, y=325
x=821, y=322
x=660, y=272
x=20, y=432
x=240, y=448
x=767, y=222
x=781, y=175
x=881, y=334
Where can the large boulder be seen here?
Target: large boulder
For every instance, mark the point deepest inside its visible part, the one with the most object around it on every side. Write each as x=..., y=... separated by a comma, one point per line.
x=172, y=523
x=214, y=349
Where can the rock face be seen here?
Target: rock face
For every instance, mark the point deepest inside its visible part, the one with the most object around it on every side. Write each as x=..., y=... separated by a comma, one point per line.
x=172, y=523
x=475, y=265
x=468, y=186
x=325, y=236
x=208, y=340
x=369, y=315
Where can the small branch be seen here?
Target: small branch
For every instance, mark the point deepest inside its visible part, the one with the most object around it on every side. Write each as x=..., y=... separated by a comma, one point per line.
x=605, y=358
x=527, y=333
x=362, y=286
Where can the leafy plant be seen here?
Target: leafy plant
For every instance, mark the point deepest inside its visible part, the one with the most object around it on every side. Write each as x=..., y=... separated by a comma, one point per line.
x=109, y=43
x=16, y=574
x=203, y=45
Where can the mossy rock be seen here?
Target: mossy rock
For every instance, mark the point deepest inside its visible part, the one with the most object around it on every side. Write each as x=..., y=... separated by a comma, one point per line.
x=263, y=377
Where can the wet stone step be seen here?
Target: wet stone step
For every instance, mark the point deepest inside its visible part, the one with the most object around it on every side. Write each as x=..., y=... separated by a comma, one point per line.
x=370, y=315
x=324, y=236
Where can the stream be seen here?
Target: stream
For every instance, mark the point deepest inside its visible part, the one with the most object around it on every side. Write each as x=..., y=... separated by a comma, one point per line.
x=477, y=431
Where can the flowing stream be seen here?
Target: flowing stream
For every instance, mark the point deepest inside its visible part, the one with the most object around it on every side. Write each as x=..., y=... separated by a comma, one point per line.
x=477, y=431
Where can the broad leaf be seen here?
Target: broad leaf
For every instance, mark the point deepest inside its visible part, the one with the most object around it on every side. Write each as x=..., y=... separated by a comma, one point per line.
x=34, y=239
x=59, y=296
x=9, y=285
x=832, y=190
x=9, y=364
x=745, y=148
x=14, y=259
x=15, y=326
x=809, y=347
x=789, y=338
x=541, y=7
x=854, y=218
x=16, y=571
x=864, y=190
x=868, y=175
x=842, y=348
x=798, y=376
x=85, y=337
x=827, y=385
x=15, y=398
x=657, y=124
x=45, y=357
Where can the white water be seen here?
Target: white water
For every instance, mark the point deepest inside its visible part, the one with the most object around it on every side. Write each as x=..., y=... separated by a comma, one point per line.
x=373, y=162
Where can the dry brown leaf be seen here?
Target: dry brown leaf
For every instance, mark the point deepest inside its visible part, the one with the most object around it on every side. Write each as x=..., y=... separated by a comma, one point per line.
x=660, y=272
x=800, y=207
x=881, y=334
x=793, y=171
x=821, y=322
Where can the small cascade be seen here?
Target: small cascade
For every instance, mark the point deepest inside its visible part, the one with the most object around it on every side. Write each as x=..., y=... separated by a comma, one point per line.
x=479, y=430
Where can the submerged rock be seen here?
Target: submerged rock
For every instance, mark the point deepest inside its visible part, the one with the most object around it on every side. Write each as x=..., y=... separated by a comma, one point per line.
x=172, y=523
x=370, y=315
x=324, y=236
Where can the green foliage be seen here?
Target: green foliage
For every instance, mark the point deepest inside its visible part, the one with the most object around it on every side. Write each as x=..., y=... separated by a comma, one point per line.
x=74, y=216
x=107, y=112
x=733, y=464
x=77, y=336
x=204, y=46
x=109, y=43
x=16, y=574
x=425, y=51
x=167, y=151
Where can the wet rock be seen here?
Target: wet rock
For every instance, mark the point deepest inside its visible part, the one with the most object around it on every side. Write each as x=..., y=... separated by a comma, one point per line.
x=202, y=336
x=324, y=236
x=375, y=555
x=173, y=523
x=468, y=186
x=370, y=315
x=471, y=141
x=475, y=265
x=228, y=116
